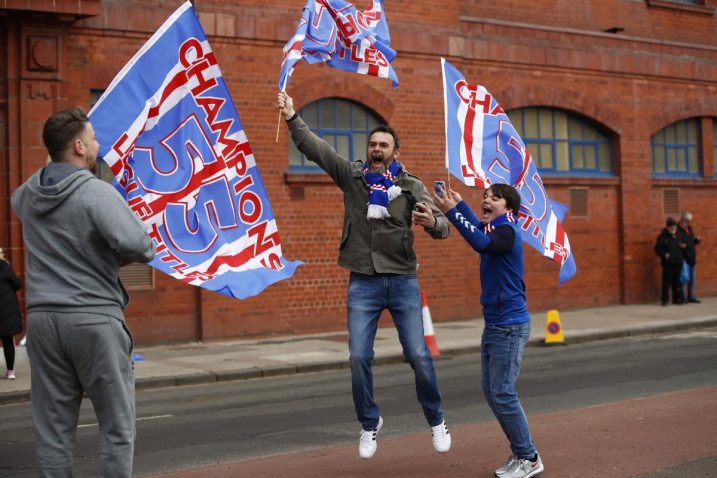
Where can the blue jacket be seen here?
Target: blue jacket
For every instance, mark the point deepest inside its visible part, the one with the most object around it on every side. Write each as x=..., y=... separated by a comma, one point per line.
x=501, y=266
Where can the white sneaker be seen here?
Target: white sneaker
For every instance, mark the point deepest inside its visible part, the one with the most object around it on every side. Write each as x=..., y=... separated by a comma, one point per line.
x=441, y=438
x=524, y=468
x=367, y=442
x=10, y=375
x=509, y=463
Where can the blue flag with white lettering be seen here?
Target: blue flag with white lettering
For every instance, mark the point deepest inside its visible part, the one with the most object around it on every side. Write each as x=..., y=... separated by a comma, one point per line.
x=346, y=38
x=483, y=148
x=170, y=134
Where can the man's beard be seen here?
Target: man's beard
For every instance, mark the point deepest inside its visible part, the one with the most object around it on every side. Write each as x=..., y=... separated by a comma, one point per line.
x=92, y=166
x=375, y=168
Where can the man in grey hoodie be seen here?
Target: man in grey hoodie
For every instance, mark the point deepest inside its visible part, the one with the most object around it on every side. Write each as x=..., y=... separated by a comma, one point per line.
x=78, y=231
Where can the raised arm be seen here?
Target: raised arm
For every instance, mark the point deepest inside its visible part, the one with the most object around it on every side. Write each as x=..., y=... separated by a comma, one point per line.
x=314, y=148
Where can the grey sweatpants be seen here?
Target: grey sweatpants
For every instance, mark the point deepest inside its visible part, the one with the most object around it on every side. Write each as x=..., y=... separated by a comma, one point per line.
x=71, y=354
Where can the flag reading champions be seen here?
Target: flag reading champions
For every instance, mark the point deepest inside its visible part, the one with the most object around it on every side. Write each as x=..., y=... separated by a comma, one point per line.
x=335, y=32
x=483, y=148
x=169, y=132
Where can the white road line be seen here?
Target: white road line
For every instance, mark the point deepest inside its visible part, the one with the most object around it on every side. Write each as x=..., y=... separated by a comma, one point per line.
x=139, y=420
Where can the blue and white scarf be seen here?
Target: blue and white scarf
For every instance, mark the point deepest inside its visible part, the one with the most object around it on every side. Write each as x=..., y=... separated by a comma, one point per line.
x=382, y=190
x=498, y=221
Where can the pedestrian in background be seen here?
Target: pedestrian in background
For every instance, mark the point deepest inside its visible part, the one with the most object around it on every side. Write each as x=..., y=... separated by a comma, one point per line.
x=670, y=250
x=78, y=230
x=381, y=202
x=10, y=318
x=496, y=237
x=688, y=237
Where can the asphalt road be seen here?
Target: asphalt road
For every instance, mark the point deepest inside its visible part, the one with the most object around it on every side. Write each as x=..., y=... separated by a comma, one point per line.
x=196, y=427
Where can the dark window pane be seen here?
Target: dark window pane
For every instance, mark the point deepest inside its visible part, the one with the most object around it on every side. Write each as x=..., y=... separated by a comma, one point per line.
x=546, y=155
x=343, y=114
x=360, y=141
x=561, y=125
x=358, y=116
x=530, y=117
x=342, y=146
x=590, y=157
x=326, y=115
x=310, y=115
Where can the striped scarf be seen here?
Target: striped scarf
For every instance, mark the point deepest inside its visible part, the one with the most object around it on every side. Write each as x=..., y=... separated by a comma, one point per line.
x=381, y=190
x=498, y=221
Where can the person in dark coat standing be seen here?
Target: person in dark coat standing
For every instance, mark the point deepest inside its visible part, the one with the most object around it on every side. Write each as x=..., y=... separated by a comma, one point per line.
x=669, y=247
x=10, y=319
x=687, y=235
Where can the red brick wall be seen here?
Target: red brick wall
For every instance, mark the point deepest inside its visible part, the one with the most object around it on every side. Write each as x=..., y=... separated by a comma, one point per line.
x=661, y=69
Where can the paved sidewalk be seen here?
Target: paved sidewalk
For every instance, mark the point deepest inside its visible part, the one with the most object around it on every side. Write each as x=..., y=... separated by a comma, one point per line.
x=194, y=363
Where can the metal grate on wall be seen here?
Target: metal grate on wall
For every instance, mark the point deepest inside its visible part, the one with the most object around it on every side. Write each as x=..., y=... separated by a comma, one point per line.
x=670, y=201
x=578, y=202
x=137, y=276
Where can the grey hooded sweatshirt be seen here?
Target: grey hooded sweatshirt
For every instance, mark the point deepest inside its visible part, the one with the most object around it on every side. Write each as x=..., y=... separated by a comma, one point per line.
x=77, y=229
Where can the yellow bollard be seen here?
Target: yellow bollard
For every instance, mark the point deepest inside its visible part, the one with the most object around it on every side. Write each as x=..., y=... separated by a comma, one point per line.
x=553, y=329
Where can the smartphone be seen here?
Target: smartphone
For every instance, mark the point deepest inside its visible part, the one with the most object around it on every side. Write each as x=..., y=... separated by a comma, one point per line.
x=437, y=185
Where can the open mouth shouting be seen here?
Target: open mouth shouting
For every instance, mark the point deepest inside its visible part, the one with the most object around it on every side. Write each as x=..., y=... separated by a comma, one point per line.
x=487, y=212
x=376, y=163
x=493, y=207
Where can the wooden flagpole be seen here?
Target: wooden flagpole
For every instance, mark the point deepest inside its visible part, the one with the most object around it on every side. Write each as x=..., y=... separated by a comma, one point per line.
x=278, y=124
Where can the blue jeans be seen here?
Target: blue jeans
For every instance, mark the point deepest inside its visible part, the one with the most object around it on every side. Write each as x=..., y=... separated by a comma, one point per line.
x=501, y=353
x=689, y=285
x=368, y=296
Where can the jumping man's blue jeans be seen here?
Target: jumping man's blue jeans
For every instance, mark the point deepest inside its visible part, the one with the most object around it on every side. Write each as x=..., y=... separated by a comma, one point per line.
x=501, y=353
x=368, y=296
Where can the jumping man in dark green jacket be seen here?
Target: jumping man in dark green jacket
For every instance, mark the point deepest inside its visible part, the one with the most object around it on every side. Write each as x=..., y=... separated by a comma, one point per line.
x=381, y=202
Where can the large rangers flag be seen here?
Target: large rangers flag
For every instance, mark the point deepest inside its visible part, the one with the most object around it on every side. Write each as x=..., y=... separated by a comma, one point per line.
x=337, y=33
x=169, y=132
x=483, y=148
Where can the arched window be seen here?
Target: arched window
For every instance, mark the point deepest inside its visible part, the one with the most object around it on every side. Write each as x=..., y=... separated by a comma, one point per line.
x=344, y=124
x=561, y=143
x=676, y=149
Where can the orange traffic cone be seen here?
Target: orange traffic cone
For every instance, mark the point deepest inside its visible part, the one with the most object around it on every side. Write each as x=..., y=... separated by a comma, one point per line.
x=553, y=330
x=428, y=333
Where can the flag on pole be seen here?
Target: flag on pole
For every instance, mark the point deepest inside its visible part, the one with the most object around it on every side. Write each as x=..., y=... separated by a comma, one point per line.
x=483, y=148
x=171, y=135
x=337, y=33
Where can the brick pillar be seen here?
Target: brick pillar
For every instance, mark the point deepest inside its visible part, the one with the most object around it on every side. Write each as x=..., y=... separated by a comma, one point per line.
x=708, y=167
x=30, y=88
x=635, y=212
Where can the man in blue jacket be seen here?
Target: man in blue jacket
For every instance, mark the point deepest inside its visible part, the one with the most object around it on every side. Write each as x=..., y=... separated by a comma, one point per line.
x=507, y=322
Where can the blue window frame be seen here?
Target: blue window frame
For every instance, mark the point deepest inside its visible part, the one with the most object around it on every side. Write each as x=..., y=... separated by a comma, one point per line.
x=563, y=144
x=342, y=123
x=676, y=150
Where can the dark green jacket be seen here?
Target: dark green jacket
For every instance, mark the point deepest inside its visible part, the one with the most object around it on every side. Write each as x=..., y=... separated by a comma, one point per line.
x=370, y=246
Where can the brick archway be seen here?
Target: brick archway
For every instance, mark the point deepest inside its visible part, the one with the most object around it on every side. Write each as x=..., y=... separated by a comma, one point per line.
x=680, y=109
